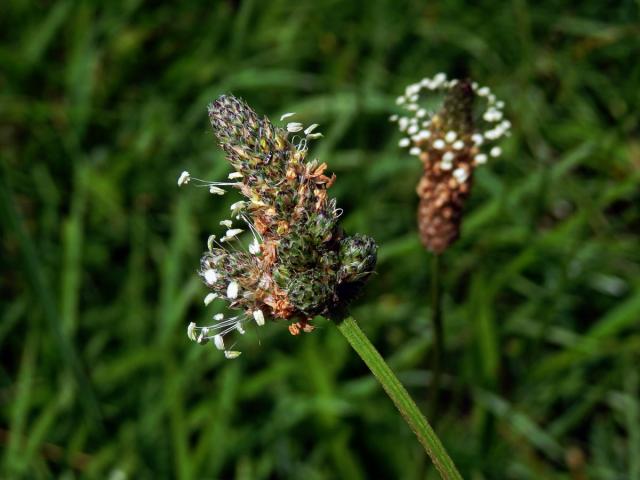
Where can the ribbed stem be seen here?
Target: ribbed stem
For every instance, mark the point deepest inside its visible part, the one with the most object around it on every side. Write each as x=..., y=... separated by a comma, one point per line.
x=400, y=397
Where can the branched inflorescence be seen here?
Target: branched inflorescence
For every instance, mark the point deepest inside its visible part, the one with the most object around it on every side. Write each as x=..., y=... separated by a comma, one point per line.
x=450, y=140
x=299, y=263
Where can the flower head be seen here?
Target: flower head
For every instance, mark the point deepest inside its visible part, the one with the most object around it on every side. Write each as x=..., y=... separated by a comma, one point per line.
x=451, y=141
x=299, y=263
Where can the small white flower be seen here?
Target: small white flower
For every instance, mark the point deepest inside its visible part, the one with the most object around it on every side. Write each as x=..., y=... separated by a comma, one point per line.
x=210, y=298
x=226, y=223
x=287, y=115
x=310, y=128
x=448, y=157
x=403, y=123
x=216, y=190
x=241, y=330
x=218, y=316
x=313, y=136
x=393, y=118
x=184, y=178
x=446, y=165
x=232, y=290
x=293, y=127
x=231, y=354
x=477, y=138
x=460, y=175
x=495, y=152
x=414, y=151
x=421, y=113
x=480, y=158
x=404, y=142
x=483, y=92
x=234, y=175
x=458, y=144
x=451, y=136
x=191, y=331
x=210, y=276
x=424, y=134
x=210, y=241
x=439, y=144
x=219, y=342
x=413, y=129
x=258, y=316
x=400, y=100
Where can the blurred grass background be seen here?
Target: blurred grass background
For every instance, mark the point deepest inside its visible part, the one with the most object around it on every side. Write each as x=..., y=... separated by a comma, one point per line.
x=102, y=104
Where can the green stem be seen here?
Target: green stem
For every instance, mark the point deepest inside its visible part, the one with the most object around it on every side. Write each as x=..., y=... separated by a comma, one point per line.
x=400, y=397
x=438, y=334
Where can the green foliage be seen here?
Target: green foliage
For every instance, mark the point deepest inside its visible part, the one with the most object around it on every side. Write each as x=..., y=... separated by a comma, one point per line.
x=102, y=105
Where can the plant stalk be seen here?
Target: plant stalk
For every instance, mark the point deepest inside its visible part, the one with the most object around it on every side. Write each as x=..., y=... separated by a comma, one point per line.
x=400, y=397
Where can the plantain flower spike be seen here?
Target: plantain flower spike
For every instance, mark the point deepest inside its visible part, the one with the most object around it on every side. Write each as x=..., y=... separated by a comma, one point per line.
x=299, y=263
x=451, y=141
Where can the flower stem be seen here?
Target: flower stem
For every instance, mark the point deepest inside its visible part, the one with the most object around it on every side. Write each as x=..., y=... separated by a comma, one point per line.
x=400, y=397
x=438, y=333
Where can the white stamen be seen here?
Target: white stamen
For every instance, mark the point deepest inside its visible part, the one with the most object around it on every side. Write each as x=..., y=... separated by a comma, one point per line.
x=446, y=165
x=210, y=276
x=184, y=178
x=218, y=316
x=458, y=144
x=413, y=129
x=293, y=127
x=219, y=342
x=477, y=138
x=191, y=331
x=460, y=175
x=414, y=151
x=480, y=159
x=210, y=241
x=231, y=354
x=241, y=330
x=216, y=190
x=232, y=233
x=483, y=92
x=450, y=136
x=210, y=298
x=404, y=142
x=234, y=175
x=232, y=290
x=258, y=316
x=421, y=113
x=226, y=223
x=393, y=118
x=310, y=128
x=287, y=115
x=448, y=157
x=439, y=144
x=254, y=248
x=495, y=152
